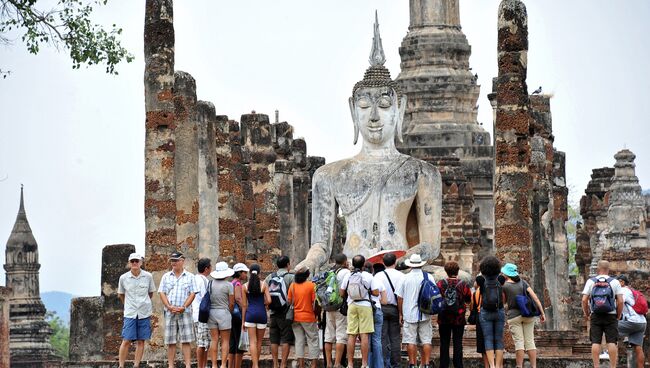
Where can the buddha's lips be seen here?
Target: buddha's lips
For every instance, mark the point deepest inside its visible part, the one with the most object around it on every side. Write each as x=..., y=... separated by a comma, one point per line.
x=376, y=129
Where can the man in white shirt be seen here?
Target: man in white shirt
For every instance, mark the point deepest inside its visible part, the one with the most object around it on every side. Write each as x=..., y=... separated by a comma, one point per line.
x=177, y=290
x=603, y=312
x=391, y=330
x=357, y=287
x=336, y=328
x=417, y=325
x=201, y=330
x=135, y=289
x=633, y=324
x=376, y=356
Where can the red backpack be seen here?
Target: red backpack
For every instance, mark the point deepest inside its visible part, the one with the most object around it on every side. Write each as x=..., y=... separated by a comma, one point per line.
x=640, y=303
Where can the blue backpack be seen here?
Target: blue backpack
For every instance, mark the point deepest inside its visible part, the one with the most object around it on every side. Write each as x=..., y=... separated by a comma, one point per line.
x=430, y=301
x=204, y=307
x=602, y=296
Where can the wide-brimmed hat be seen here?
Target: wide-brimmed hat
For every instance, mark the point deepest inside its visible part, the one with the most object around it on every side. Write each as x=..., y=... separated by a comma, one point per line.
x=415, y=261
x=221, y=271
x=510, y=270
x=240, y=267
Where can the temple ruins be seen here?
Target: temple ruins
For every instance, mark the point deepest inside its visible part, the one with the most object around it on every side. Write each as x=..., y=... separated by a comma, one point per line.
x=29, y=333
x=223, y=189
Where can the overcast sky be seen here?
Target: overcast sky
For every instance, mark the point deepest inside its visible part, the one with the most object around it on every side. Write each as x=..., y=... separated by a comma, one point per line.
x=75, y=138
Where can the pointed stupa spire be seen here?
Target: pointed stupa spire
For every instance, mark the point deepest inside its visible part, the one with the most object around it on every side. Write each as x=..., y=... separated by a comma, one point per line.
x=21, y=234
x=377, y=56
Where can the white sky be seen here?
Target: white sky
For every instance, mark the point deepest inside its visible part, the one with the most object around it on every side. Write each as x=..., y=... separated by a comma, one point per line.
x=75, y=138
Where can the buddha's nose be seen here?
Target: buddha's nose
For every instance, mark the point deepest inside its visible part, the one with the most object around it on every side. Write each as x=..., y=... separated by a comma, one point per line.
x=374, y=114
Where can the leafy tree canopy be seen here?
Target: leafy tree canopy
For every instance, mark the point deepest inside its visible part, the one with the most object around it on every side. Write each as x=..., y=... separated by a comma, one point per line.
x=60, y=338
x=65, y=26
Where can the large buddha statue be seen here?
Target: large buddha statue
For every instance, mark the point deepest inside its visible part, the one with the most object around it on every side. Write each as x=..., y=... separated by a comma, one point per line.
x=389, y=200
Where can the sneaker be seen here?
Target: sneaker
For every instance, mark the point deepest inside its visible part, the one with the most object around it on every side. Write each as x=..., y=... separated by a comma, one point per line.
x=604, y=355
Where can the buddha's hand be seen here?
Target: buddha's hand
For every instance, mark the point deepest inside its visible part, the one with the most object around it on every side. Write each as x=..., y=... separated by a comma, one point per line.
x=312, y=261
x=426, y=251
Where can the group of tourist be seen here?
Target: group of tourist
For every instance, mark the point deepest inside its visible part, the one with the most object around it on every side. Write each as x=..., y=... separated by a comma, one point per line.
x=381, y=309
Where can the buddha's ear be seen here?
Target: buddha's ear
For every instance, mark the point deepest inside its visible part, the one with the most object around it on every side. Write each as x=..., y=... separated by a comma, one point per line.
x=400, y=117
x=355, y=119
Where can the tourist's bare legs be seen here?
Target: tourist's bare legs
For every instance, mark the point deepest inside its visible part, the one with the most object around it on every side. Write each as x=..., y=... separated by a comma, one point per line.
x=328, y=354
x=595, y=352
x=274, y=354
x=286, y=348
x=187, y=354
x=124, y=351
x=365, y=348
x=640, y=358
x=612, y=349
x=426, y=354
x=519, y=358
x=412, y=350
x=498, y=358
x=171, y=355
x=490, y=358
x=340, y=348
x=486, y=364
x=352, y=340
x=225, y=342
x=532, y=358
x=254, y=346
x=214, y=339
x=201, y=357
x=139, y=350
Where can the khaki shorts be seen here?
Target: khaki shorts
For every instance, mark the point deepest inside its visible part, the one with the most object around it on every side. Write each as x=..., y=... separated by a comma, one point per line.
x=522, y=330
x=306, y=333
x=336, y=329
x=360, y=320
x=422, y=331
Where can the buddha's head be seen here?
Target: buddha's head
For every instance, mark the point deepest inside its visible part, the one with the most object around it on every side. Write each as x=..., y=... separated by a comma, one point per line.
x=377, y=105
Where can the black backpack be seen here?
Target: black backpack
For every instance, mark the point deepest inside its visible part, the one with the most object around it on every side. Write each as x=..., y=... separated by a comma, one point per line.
x=492, y=294
x=452, y=299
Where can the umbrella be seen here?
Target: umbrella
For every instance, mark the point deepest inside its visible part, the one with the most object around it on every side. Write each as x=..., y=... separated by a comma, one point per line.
x=379, y=257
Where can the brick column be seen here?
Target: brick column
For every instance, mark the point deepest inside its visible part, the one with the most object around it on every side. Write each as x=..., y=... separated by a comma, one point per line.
x=5, y=295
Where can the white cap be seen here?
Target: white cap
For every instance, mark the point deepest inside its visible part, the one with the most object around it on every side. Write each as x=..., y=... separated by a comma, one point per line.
x=240, y=267
x=135, y=256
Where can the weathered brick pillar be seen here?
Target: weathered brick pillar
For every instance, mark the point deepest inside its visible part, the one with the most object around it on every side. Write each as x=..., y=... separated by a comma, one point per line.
x=301, y=205
x=186, y=168
x=114, y=263
x=208, y=188
x=513, y=183
x=160, y=203
x=283, y=183
x=5, y=295
x=256, y=141
x=86, y=329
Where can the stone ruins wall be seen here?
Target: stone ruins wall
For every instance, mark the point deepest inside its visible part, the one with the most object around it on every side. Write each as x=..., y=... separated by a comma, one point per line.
x=213, y=188
x=5, y=295
x=530, y=190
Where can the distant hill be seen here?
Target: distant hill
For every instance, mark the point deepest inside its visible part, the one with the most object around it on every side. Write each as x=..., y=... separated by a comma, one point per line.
x=647, y=191
x=58, y=302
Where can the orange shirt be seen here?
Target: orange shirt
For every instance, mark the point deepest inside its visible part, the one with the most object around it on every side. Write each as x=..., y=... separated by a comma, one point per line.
x=303, y=297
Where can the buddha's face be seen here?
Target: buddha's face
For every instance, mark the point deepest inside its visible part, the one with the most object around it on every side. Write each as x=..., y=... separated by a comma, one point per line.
x=375, y=113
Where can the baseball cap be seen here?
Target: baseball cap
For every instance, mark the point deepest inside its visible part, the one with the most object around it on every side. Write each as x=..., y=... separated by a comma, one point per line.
x=135, y=256
x=240, y=267
x=176, y=255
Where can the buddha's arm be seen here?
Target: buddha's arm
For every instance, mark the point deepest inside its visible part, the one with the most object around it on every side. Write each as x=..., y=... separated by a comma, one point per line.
x=429, y=209
x=322, y=224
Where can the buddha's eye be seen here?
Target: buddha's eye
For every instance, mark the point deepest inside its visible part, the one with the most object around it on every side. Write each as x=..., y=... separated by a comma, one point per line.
x=385, y=102
x=363, y=102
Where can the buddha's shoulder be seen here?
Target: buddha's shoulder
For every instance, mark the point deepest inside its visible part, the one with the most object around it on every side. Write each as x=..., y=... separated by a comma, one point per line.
x=416, y=165
x=335, y=168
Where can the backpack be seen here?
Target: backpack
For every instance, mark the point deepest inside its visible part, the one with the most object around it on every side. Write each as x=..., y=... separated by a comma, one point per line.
x=204, y=307
x=525, y=303
x=355, y=288
x=429, y=299
x=278, y=291
x=327, y=291
x=451, y=299
x=640, y=303
x=491, y=295
x=602, y=296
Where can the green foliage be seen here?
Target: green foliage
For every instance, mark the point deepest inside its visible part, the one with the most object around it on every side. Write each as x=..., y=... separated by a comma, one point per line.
x=571, y=229
x=67, y=26
x=60, y=338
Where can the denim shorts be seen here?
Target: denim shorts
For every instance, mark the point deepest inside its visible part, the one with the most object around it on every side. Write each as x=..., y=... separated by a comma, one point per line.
x=136, y=329
x=492, y=324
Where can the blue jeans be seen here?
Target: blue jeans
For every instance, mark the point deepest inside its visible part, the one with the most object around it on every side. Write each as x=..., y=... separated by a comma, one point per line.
x=376, y=358
x=492, y=324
